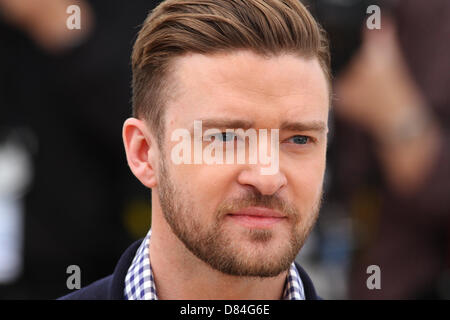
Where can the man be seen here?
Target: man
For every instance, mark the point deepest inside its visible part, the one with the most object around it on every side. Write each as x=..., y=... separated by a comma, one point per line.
x=224, y=230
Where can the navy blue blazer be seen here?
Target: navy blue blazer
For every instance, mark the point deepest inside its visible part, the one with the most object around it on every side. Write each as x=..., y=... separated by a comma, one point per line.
x=112, y=287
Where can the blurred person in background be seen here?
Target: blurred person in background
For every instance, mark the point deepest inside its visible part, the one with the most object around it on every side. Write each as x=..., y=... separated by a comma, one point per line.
x=390, y=156
x=81, y=206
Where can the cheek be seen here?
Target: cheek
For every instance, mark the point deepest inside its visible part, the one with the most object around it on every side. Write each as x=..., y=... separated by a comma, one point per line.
x=205, y=185
x=305, y=183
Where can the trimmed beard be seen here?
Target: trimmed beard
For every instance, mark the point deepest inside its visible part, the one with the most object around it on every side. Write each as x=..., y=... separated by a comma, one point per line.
x=212, y=244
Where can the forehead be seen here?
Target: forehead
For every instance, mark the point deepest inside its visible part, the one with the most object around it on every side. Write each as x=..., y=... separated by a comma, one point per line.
x=248, y=86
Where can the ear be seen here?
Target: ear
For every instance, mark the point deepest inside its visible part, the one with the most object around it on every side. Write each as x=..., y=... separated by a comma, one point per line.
x=141, y=151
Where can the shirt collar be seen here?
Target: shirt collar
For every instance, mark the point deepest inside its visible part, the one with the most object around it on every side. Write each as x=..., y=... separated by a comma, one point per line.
x=140, y=283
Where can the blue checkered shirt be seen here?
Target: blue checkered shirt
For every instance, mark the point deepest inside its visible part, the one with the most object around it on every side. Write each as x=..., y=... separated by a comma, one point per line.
x=140, y=283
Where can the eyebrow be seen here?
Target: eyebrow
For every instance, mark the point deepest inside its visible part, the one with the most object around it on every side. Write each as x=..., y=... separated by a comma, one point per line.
x=226, y=123
x=318, y=126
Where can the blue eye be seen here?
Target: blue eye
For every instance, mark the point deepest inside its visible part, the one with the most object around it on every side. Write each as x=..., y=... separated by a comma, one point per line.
x=225, y=136
x=299, y=139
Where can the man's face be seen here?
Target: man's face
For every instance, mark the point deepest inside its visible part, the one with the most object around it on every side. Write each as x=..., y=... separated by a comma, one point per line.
x=220, y=212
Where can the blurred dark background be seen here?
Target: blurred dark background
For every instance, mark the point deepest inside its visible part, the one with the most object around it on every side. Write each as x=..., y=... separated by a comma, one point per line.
x=67, y=196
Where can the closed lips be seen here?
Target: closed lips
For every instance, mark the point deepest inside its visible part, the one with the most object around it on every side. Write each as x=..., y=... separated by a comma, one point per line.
x=258, y=212
x=257, y=217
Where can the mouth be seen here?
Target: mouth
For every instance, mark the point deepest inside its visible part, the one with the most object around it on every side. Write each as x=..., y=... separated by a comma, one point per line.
x=257, y=217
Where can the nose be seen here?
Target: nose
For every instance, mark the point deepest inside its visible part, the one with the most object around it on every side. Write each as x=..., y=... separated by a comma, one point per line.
x=265, y=184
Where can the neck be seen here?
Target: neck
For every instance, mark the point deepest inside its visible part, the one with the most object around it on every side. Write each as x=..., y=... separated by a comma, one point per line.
x=179, y=274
